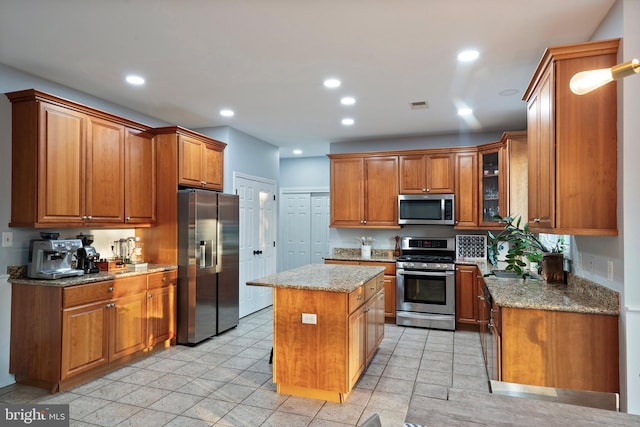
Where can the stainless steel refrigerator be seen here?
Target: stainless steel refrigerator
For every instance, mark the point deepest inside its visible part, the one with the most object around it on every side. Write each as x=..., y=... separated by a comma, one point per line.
x=208, y=286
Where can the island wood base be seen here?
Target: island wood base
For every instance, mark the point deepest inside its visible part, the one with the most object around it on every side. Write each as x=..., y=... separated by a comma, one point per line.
x=324, y=360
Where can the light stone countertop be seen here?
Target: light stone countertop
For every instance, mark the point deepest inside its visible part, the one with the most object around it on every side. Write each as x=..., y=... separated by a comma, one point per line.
x=91, y=278
x=578, y=295
x=321, y=277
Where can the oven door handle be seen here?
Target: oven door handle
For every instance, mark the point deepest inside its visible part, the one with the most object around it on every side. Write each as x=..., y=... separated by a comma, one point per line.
x=425, y=273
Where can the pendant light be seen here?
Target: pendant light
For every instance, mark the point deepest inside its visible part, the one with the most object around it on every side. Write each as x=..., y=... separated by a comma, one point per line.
x=586, y=81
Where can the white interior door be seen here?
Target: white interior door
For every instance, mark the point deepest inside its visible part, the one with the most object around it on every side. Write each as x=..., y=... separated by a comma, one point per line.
x=257, y=239
x=320, y=218
x=304, y=225
x=296, y=230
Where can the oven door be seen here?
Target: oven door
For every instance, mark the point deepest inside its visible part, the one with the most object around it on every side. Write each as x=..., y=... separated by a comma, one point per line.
x=426, y=291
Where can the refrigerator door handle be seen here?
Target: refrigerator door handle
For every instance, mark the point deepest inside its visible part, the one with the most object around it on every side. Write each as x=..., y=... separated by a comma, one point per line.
x=219, y=248
x=203, y=254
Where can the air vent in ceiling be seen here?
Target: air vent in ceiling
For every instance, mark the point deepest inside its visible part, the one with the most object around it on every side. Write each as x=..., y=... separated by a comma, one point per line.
x=419, y=105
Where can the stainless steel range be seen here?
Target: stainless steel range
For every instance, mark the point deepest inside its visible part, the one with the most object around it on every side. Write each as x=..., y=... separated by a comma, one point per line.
x=425, y=283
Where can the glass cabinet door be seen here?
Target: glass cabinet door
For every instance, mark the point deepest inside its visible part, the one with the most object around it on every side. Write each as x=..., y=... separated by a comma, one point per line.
x=492, y=185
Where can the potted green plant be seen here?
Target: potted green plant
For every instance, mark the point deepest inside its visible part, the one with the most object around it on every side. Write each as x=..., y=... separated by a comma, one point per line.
x=524, y=244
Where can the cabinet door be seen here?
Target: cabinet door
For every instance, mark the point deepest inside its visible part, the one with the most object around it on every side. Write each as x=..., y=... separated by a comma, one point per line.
x=357, y=344
x=212, y=169
x=85, y=338
x=541, y=154
x=162, y=315
x=347, y=189
x=104, y=172
x=493, y=185
x=128, y=325
x=466, y=189
x=466, y=295
x=413, y=174
x=190, y=162
x=140, y=178
x=440, y=173
x=61, y=174
x=390, y=296
x=381, y=193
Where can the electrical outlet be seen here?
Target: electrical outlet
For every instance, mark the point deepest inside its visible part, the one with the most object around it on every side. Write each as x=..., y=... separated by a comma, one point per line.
x=610, y=269
x=7, y=239
x=590, y=262
x=309, y=319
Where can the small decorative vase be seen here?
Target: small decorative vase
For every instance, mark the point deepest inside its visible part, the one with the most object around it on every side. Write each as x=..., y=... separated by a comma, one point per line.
x=553, y=267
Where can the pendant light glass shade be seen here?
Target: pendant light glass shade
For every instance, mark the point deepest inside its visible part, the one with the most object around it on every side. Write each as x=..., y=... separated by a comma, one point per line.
x=586, y=81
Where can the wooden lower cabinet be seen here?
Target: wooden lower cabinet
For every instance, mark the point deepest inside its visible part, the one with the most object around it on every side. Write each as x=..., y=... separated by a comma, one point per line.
x=389, y=284
x=577, y=351
x=324, y=360
x=62, y=336
x=162, y=308
x=467, y=307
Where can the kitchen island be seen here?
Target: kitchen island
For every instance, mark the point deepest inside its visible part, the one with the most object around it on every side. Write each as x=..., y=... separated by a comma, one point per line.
x=328, y=323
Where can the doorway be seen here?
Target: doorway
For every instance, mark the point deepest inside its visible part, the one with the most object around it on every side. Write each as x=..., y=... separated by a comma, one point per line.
x=304, y=217
x=257, y=239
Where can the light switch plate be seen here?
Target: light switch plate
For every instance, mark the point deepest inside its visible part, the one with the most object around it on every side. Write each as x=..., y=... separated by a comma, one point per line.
x=7, y=239
x=309, y=319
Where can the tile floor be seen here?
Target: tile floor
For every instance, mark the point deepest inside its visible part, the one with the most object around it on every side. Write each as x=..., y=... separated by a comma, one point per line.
x=428, y=377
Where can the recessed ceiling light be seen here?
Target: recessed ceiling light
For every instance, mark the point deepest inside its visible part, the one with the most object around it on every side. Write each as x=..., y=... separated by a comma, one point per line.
x=465, y=111
x=348, y=100
x=332, y=83
x=468, y=55
x=348, y=121
x=297, y=151
x=134, y=80
x=227, y=113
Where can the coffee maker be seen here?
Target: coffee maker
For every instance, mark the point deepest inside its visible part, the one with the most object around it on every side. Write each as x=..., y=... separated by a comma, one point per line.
x=51, y=258
x=87, y=255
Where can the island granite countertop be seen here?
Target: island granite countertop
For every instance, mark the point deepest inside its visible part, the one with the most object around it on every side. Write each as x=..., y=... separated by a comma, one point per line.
x=321, y=277
x=91, y=278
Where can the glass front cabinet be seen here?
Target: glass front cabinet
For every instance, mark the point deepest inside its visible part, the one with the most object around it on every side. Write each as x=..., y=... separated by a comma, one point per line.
x=493, y=183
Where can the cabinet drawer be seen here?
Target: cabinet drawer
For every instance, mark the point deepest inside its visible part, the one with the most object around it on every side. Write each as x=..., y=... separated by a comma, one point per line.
x=356, y=298
x=162, y=279
x=389, y=267
x=85, y=294
x=372, y=287
x=130, y=285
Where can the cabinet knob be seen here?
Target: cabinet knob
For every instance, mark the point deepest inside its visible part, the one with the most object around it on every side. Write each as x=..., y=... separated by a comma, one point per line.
x=536, y=219
x=480, y=297
x=359, y=297
x=150, y=296
x=110, y=288
x=84, y=217
x=89, y=217
x=128, y=218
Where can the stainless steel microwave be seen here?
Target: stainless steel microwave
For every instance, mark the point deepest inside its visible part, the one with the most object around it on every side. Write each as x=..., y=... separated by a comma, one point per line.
x=433, y=209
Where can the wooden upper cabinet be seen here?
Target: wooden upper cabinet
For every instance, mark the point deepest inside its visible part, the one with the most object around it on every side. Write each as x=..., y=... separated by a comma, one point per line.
x=493, y=190
x=200, y=163
x=426, y=173
x=466, y=189
x=104, y=172
x=572, y=144
x=140, y=175
x=51, y=189
x=364, y=191
x=68, y=164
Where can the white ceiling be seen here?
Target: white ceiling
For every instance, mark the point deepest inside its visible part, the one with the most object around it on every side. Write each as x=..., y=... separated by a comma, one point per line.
x=267, y=59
